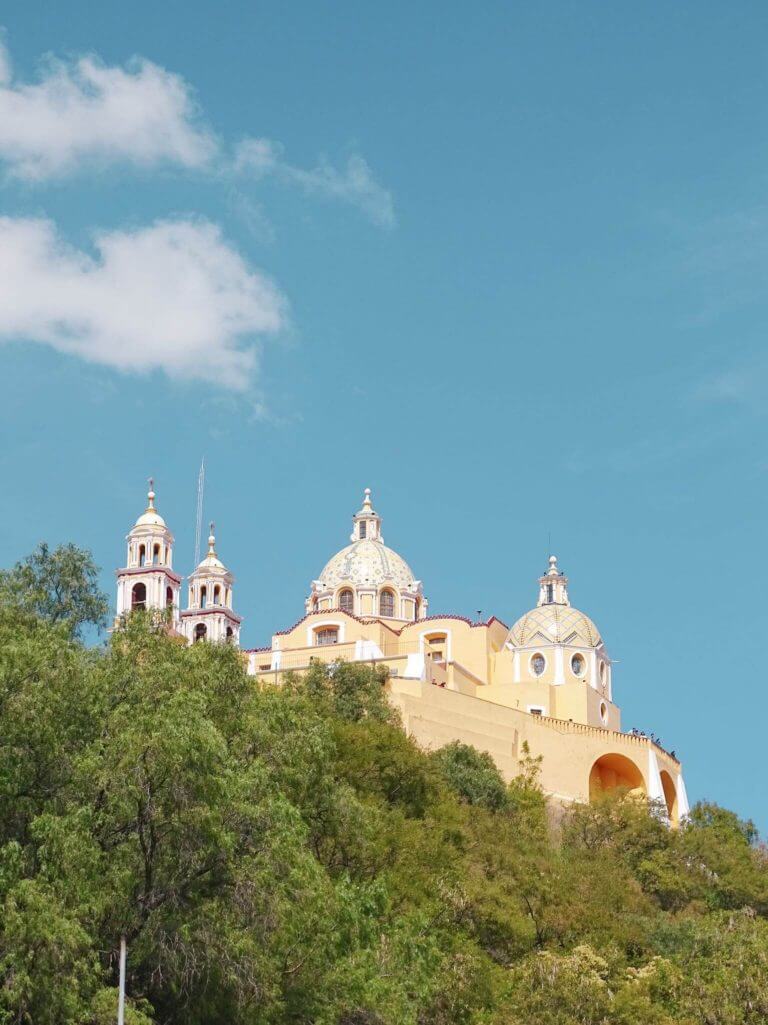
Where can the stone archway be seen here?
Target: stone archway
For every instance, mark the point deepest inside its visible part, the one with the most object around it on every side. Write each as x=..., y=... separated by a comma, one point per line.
x=670, y=795
x=615, y=772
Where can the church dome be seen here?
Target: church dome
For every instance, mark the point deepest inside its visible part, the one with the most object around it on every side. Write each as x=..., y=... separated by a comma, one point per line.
x=554, y=620
x=366, y=578
x=554, y=624
x=150, y=517
x=367, y=563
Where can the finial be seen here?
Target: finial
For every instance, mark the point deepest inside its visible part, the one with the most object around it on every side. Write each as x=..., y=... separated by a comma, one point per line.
x=367, y=499
x=553, y=570
x=212, y=540
x=151, y=493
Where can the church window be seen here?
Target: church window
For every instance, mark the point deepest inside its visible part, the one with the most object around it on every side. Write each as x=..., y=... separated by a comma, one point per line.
x=169, y=597
x=550, y=594
x=538, y=664
x=230, y=634
x=142, y=555
x=327, y=635
x=578, y=665
x=139, y=596
x=346, y=600
x=386, y=603
x=217, y=595
x=156, y=555
x=203, y=597
x=603, y=711
x=200, y=632
x=363, y=530
x=437, y=645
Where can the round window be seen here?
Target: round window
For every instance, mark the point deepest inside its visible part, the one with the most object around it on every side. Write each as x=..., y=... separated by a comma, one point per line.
x=538, y=664
x=603, y=711
x=578, y=665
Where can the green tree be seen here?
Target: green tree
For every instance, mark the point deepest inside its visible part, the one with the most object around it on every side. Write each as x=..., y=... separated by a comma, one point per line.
x=59, y=585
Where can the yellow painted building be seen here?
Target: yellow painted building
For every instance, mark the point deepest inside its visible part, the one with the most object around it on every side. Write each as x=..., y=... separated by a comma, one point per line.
x=545, y=683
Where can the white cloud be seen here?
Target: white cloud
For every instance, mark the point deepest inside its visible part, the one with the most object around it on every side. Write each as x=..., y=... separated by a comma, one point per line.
x=86, y=112
x=354, y=184
x=173, y=296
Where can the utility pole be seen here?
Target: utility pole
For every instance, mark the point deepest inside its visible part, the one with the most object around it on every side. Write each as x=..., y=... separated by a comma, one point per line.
x=121, y=997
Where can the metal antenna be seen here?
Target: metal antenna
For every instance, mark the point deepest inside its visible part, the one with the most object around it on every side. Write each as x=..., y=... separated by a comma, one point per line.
x=199, y=517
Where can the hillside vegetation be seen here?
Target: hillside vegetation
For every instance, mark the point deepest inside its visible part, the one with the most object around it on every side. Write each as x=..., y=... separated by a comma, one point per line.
x=290, y=856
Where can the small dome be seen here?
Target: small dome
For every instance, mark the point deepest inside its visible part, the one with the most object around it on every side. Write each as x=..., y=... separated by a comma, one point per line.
x=150, y=517
x=211, y=563
x=554, y=624
x=367, y=564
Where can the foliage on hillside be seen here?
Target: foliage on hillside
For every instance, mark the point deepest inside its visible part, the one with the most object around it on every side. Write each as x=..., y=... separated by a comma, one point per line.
x=289, y=856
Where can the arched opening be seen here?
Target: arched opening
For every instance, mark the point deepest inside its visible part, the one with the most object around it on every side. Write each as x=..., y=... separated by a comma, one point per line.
x=169, y=597
x=203, y=597
x=386, y=604
x=217, y=595
x=139, y=596
x=346, y=600
x=156, y=555
x=615, y=772
x=436, y=647
x=142, y=555
x=200, y=632
x=327, y=635
x=670, y=795
x=230, y=634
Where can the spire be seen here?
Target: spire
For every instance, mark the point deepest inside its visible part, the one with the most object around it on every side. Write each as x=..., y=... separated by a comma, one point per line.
x=367, y=522
x=151, y=495
x=553, y=586
x=212, y=540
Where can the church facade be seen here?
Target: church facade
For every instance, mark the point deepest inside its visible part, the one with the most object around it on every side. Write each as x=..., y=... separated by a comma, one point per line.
x=543, y=686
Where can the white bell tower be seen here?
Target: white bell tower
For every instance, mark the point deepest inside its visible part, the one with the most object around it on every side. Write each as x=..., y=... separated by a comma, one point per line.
x=147, y=581
x=209, y=615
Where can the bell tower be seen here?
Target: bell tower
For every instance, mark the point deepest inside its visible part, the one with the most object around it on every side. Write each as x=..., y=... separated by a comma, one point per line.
x=147, y=581
x=209, y=615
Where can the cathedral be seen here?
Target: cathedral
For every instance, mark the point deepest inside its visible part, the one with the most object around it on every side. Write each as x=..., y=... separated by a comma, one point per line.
x=542, y=687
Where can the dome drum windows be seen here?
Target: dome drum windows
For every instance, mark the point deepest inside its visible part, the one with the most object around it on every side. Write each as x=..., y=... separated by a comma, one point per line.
x=538, y=664
x=387, y=604
x=578, y=665
x=347, y=600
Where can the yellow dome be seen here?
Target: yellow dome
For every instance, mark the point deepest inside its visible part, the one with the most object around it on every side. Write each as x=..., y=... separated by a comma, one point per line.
x=554, y=624
x=367, y=564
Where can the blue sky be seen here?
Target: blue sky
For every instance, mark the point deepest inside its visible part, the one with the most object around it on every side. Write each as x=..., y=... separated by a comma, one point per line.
x=507, y=266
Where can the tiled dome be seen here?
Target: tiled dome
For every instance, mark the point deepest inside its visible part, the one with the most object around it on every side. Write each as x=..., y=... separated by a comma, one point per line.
x=554, y=624
x=367, y=564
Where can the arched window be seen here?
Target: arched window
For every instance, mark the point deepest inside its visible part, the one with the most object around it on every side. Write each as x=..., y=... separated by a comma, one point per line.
x=200, y=631
x=436, y=647
x=217, y=595
x=169, y=597
x=142, y=555
x=346, y=600
x=139, y=596
x=363, y=530
x=203, y=597
x=230, y=634
x=386, y=603
x=156, y=555
x=327, y=635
